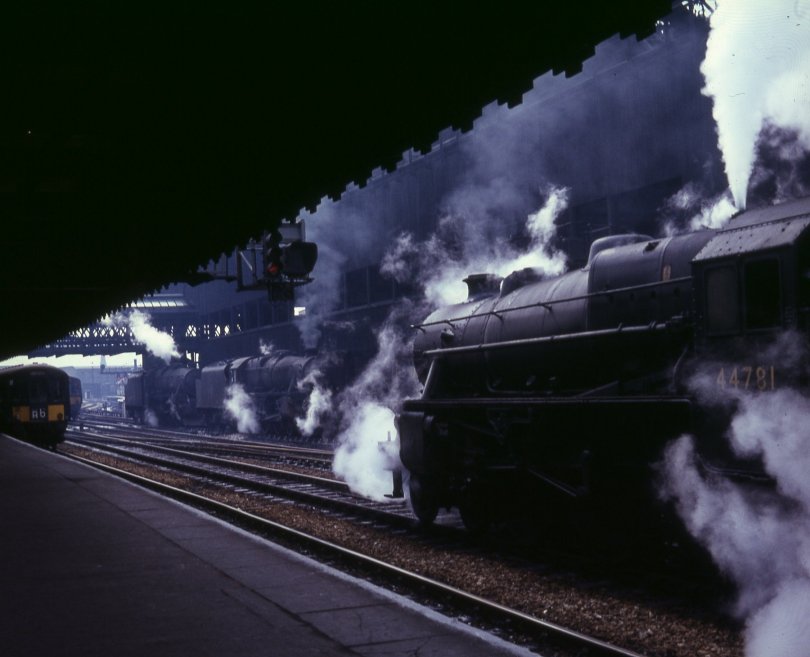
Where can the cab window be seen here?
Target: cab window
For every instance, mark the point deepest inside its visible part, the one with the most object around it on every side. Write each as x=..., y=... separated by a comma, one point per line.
x=763, y=298
x=38, y=389
x=722, y=300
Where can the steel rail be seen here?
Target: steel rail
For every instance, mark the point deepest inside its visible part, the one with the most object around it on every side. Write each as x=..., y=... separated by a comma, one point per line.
x=168, y=434
x=130, y=450
x=174, y=448
x=280, y=491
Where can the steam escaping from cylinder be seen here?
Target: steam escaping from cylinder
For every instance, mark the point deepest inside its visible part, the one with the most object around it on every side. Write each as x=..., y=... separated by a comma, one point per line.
x=759, y=537
x=154, y=340
x=363, y=457
x=360, y=459
x=757, y=72
x=239, y=407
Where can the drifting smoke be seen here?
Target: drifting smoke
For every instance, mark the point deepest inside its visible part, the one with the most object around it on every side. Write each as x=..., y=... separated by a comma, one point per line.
x=690, y=209
x=759, y=537
x=265, y=348
x=367, y=405
x=345, y=234
x=757, y=70
x=239, y=407
x=782, y=170
x=156, y=342
x=456, y=250
x=318, y=403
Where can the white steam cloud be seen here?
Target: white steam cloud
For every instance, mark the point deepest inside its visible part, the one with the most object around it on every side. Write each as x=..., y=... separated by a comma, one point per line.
x=154, y=340
x=345, y=235
x=758, y=536
x=150, y=418
x=689, y=209
x=239, y=407
x=757, y=71
x=361, y=457
x=457, y=250
x=713, y=214
x=265, y=348
x=319, y=402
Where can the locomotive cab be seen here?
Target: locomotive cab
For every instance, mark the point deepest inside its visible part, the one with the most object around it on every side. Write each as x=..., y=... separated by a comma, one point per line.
x=752, y=290
x=753, y=280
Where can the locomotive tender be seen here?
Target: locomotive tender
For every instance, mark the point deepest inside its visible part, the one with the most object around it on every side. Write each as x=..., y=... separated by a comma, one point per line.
x=35, y=403
x=568, y=387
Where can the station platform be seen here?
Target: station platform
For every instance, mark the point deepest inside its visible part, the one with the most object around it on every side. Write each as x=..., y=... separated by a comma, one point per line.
x=92, y=566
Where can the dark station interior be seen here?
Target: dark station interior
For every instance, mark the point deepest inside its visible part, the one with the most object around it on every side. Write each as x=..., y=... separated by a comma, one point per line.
x=137, y=146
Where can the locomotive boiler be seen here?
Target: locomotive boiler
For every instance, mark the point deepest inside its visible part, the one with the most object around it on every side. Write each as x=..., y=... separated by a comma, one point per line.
x=566, y=388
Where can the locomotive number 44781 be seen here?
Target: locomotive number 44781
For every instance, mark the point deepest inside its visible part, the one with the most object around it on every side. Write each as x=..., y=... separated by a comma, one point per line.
x=748, y=377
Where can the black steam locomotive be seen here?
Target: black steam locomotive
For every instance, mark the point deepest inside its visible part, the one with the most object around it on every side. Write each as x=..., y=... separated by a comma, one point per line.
x=35, y=403
x=566, y=388
x=164, y=396
x=275, y=388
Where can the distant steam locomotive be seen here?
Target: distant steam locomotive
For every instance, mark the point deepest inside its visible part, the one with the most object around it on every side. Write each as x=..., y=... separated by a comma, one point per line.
x=274, y=388
x=567, y=387
x=35, y=403
x=164, y=396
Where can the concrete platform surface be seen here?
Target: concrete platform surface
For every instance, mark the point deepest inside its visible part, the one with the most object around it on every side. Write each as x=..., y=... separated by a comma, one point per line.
x=91, y=565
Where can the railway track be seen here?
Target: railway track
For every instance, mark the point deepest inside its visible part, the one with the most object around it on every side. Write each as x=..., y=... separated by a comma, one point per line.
x=236, y=445
x=290, y=510
x=319, y=515
x=395, y=539
x=274, y=483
